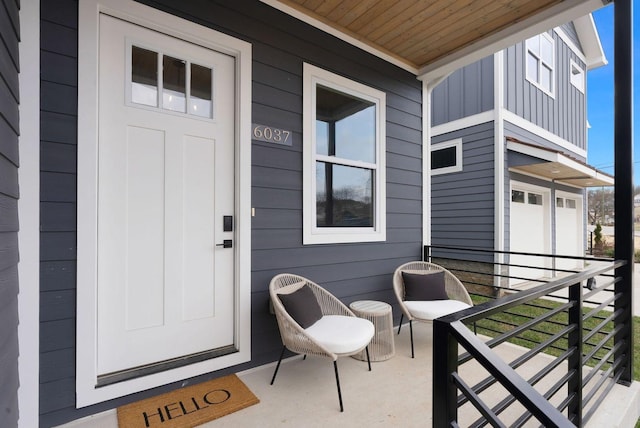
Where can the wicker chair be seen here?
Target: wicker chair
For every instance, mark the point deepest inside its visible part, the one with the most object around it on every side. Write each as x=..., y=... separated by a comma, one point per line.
x=427, y=311
x=338, y=333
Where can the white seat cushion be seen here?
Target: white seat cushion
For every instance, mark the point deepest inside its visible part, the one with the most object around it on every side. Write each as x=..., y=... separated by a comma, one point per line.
x=432, y=309
x=341, y=334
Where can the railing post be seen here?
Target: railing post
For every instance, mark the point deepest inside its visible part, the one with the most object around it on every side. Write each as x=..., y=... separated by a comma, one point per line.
x=623, y=160
x=575, y=360
x=445, y=355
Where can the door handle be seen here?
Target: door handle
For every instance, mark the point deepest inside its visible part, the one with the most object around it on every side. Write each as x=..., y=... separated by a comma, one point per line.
x=227, y=243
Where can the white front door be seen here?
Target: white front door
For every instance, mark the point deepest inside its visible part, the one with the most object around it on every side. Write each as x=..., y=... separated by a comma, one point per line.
x=165, y=182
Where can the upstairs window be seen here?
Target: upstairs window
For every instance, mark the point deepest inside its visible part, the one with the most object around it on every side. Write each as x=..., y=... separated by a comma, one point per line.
x=344, y=160
x=541, y=62
x=446, y=157
x=576, y=76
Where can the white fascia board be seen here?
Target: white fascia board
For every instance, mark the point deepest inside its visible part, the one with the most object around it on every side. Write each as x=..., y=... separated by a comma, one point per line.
x=465, y=122
x=351, y=39
x=567, y=41
x=590, y=41
x=557, y=15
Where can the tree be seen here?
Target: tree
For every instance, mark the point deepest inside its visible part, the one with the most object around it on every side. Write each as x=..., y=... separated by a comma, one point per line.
x=600, y=205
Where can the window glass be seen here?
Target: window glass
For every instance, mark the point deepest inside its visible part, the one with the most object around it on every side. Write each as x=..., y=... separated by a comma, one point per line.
x=532, y=67
x=344, y=196
x=545, y=78
x=200, y=95
x=577, y=76
x=174, y=84
x=517, y=196
x=534, y=199
x=344, y=135
x=546, y=50
x=571, y=203
x=144, y=76
x=559, y=202
x=347, y=125
x=443, y=158
x=533, y=44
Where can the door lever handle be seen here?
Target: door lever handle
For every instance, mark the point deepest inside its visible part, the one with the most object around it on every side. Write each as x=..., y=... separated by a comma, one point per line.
x=227, y=243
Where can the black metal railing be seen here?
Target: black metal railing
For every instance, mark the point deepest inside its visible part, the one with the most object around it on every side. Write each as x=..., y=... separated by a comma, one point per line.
x=547, y=346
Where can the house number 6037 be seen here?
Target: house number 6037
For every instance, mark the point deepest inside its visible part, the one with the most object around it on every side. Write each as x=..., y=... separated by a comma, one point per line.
x=271, y=135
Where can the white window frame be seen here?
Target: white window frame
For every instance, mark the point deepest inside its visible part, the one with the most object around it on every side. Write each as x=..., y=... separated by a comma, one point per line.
x=551, y=91
x=457, y=143
x=312, y=76
x=583, y=76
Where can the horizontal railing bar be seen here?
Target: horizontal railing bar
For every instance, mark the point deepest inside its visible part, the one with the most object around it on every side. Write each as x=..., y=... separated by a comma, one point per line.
x=600, y=344
x=488, y=381
x=613, y=381
x=598, y=329
x=550, y=393
x=600, y=307
x=506, y=402
x=605, y=375
x=476, y=401
x=600, y=288
x=509, y=379
x=486, y=309
x=605, y=359
x=481, y=250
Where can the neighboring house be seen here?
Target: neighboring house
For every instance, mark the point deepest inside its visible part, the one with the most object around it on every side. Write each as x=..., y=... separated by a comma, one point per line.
x=175, y=156
x=509, y=146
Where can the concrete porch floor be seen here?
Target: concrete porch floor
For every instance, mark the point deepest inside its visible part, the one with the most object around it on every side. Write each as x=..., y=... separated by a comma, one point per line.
x=397, y=392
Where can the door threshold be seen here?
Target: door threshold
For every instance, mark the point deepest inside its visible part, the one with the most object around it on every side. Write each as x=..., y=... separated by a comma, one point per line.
x=161, y=366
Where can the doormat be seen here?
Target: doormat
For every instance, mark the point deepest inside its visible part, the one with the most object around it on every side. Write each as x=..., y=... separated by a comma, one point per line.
x=190, y=406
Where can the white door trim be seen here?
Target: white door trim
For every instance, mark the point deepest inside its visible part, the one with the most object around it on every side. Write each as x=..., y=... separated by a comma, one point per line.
x=86, y=335
x=29, y=217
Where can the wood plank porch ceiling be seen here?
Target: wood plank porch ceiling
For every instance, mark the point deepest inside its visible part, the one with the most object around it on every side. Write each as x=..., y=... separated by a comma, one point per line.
x=419, y=32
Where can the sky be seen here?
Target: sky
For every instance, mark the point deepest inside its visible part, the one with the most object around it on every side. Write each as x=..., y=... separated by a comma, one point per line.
x=600, y=96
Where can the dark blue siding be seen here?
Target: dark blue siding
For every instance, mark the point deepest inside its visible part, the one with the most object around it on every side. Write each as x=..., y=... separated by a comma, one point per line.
x=280, y=45
x=564, y=114
x=462, y=203
x=465, y=92
x=9, y=131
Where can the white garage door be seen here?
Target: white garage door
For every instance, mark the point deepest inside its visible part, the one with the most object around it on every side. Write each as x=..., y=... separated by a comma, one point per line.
x=529, y=233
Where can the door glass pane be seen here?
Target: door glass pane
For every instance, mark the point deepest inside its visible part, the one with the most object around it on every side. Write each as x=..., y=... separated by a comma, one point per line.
x=571, y=203
x=351, y=132
x=344, y=196
x=535, y=199
x=517, y=196
x=174, y=84
x=144, y=76
x=200, y=99
x=559, y=202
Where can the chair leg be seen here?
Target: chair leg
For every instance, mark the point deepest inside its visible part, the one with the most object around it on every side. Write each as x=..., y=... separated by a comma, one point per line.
x=335, y=367
x=400, y=325
x=278, y=365
x=368, y=359
x=411, y=330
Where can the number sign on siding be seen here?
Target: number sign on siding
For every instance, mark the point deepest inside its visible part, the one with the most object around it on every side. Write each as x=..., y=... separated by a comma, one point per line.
x=270, y=134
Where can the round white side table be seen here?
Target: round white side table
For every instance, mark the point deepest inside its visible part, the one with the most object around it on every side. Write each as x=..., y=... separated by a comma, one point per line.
x=382, y=346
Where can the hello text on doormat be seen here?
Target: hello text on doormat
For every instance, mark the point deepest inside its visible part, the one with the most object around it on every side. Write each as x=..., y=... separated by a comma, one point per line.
x=188, y=407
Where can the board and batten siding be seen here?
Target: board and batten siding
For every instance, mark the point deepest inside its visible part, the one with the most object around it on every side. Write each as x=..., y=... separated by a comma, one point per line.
x=467, y=91
x=564, y=114
x=462, y=207
x=9, y=194
x=280, y=45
